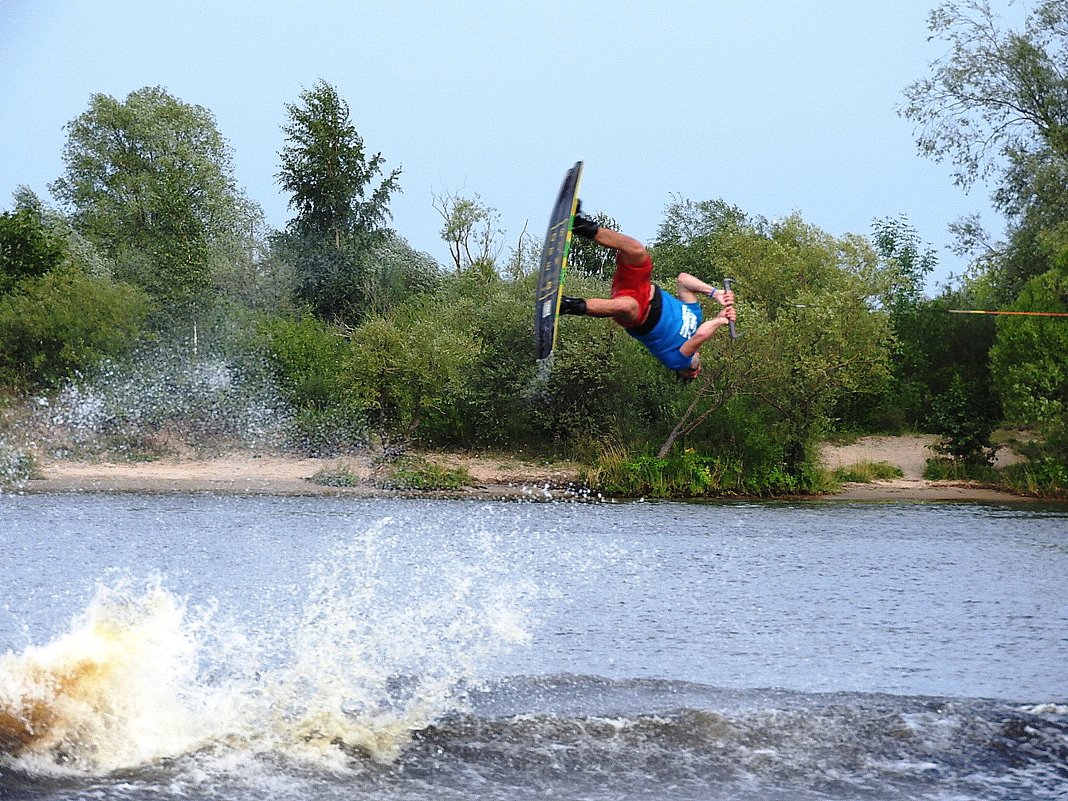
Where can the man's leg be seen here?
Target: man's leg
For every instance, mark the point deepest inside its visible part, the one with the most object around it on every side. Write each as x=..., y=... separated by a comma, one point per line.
x=624, y=309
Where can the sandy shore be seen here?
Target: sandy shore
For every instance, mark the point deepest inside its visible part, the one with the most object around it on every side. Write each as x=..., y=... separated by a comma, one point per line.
x=279, y=475
x=497, y=476
x=910, y=453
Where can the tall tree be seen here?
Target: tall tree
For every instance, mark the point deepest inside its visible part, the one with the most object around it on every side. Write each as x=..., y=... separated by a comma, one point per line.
x=149, y=181
x=998, y=94
x=996, y=106
x=340, y=215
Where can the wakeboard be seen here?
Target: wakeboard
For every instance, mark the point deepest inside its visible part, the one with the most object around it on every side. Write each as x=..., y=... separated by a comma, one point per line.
x=553, y=268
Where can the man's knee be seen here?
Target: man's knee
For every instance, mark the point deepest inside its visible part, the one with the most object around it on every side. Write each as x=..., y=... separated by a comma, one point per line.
x=631, y=251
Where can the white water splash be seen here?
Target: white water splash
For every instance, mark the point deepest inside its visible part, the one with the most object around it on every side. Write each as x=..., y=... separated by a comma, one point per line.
x=117, y=689
x=194, y=396
x=372, y=655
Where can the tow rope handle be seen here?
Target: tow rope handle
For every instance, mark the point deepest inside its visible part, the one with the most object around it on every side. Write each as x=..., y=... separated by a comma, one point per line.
x=727, y=287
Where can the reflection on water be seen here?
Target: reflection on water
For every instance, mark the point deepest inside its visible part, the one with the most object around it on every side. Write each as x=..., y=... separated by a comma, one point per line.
x=194, y=646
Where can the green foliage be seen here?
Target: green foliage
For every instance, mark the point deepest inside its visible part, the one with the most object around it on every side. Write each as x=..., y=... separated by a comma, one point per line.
x=149, y=181
x=17, y=465
x=590, y=259
x=306, y=355
x=1030, y=356
x=897, y=241
x=413, y=369
x=867, y=472
x=805, y=303
x=470, y=230
x=1046, y=477
x=62, y=323
x=307, y=358
x=420, y=473
x=943, y=469
x=340, y=219
x=692, y=475
x=996, y=105
x=340, y=475
x=965, y=430
x=326, y=171
x=997, y=93
x=28, y=249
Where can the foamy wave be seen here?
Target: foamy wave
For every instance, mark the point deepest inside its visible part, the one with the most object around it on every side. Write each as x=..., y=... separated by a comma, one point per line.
x=115, y=690
x=362, y=665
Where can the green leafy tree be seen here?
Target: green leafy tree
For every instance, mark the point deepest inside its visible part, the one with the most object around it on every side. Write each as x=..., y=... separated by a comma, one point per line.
x=1030, y=359
x=64, y=322
x=340, y=215
x=56, y=317
x=413, y=370
x=997, y=106
x=903, y=400
x=896, y=240
x=469, y=228
x=589, y=258
x=965, y=429
x=149, y=181
x=998, y=99
x=28, y=249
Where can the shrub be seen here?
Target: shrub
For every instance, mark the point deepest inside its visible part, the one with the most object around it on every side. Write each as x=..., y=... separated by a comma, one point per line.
x=1045, y=477
x=419, y=473
x=28, y=249
x=340, y=475
x=692, y=475
x=964, y=427
x=63, y=323
x=307, y=358
x=866, y=472
x=943, y=469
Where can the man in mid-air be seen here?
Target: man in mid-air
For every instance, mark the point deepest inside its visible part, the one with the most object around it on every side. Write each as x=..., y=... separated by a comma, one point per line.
x=670, y=327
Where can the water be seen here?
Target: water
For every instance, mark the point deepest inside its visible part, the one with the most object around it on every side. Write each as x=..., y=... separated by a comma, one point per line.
x=197, y=647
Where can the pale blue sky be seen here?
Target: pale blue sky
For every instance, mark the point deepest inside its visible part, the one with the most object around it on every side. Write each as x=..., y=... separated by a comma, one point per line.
x=772, y=105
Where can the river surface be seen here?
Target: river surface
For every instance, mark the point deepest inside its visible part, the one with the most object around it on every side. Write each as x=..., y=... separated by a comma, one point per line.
x=202, y=647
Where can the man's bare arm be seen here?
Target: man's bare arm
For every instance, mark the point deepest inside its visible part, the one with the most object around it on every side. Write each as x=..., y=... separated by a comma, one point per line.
x=705, y=330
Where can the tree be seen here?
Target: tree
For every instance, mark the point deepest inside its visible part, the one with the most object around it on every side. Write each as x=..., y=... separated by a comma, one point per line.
x=997, y=105
x=589, y=258
x=56, y=317
x=469, y=228
x=998, y=94
x=149, y=181
x=896, y=240
x=414, y=371
x=340, y=218
x=1029, y=359
x=27, y=248
x=326, y=171
x=63, y=322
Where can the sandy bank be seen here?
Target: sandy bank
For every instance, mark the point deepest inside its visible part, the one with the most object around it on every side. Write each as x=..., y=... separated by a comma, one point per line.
x=497, y=477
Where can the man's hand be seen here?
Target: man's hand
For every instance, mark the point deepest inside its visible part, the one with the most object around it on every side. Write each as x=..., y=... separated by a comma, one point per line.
x=724, y=297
